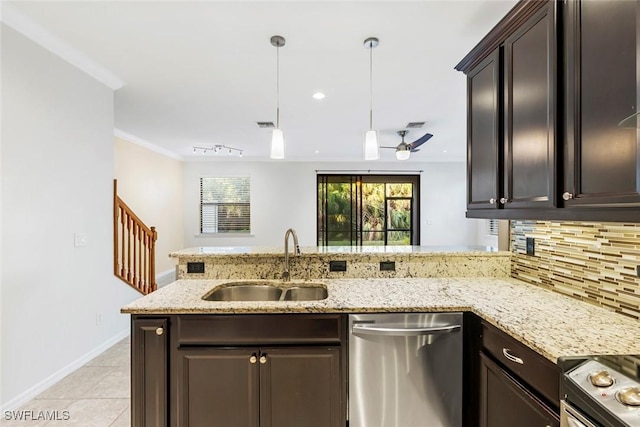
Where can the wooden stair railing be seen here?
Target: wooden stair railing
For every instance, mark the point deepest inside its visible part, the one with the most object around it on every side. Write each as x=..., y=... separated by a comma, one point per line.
x=134, y=247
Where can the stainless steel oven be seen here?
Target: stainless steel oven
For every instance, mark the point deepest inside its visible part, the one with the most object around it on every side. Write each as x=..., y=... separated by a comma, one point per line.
x=601, y=391
x=572, y=417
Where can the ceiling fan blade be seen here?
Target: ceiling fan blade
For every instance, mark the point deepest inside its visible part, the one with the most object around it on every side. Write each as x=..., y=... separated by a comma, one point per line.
x=418, y=142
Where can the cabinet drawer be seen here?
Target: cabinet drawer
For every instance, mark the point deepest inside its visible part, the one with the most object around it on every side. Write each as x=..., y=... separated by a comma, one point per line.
x=538, y=372
x=259, y=329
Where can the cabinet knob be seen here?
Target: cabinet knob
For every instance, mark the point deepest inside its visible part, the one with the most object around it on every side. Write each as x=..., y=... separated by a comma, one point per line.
x=503, y=201
x=253, y=359
x=492, y=201
x=567, y=196
x=263, y=359
x=159, y=331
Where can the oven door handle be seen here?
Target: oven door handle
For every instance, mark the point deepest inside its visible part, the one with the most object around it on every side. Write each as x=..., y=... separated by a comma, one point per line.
x=569, y=417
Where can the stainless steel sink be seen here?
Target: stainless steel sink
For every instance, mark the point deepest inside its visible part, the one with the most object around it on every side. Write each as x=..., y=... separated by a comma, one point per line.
x=305, y=293
x=244, y=292
x=267, y=291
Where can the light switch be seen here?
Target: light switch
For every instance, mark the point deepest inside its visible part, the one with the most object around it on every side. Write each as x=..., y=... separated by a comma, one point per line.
x=79, y=239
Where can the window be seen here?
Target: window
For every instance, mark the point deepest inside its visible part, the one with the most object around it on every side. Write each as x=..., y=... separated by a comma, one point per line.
x=368, y=210
x=492, y=227
x=225, y=205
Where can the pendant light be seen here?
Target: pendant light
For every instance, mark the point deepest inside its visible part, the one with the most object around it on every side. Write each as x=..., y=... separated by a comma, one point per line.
x=277, y=138
x=371, y=149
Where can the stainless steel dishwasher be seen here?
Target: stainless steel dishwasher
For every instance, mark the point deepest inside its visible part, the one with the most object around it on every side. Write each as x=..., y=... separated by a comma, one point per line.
x=405, y=370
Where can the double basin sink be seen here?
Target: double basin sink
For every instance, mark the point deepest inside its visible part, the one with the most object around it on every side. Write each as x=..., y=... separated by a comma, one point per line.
x=267, y=291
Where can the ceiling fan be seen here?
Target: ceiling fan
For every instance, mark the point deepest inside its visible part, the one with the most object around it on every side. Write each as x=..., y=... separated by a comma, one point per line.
x=404, y=150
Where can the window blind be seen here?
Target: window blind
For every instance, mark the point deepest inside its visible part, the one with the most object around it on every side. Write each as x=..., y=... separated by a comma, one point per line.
x=225, y=205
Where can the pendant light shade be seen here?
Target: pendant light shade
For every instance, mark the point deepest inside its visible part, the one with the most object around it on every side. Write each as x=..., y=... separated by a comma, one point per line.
x=371, y=148
x=277, y=138
x=371, y=151
x=277, y=144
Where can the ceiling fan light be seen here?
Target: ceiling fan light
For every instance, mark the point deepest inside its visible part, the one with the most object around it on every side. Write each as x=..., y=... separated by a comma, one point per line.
x=403, y=154
x=277, y=144
x=371, y=149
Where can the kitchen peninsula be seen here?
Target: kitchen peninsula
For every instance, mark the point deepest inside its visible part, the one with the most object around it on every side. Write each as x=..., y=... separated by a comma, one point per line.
x=178, y=337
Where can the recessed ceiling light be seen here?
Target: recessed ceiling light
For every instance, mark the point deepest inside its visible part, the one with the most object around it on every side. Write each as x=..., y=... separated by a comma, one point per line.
x=444, y=151
x=318, y=95
x=317, y=152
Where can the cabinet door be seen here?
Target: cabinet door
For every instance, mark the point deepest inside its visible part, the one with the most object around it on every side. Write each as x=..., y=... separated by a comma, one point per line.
x=218, y=387
x=483, y=128
x=149, y=369
x=529, y=113
x=601, y=158
x=506, y=403
x=300, y=386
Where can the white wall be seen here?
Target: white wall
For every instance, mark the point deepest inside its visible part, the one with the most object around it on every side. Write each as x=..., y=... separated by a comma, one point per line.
x=56, y=180
x=150, y=183
x=283, y=195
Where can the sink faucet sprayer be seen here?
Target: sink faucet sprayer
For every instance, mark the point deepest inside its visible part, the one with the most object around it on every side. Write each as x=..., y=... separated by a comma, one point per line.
x=285, y=274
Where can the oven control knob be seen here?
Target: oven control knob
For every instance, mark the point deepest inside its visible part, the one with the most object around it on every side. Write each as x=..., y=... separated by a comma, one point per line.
x=601, y=379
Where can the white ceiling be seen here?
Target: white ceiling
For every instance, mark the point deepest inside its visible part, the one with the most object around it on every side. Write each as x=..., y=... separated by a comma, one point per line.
x=203, y=73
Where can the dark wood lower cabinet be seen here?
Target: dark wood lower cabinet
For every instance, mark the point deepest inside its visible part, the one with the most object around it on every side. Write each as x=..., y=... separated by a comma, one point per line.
x=504, y=402
x=300, y=387
x=259, y=387
x=149, y=373
x=218, y=387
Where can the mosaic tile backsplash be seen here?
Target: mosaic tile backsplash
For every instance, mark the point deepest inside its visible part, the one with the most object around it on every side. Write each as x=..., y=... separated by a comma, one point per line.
x=593, y=262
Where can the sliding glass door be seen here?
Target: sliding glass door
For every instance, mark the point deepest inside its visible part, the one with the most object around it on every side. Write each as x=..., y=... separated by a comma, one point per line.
x=368, y=210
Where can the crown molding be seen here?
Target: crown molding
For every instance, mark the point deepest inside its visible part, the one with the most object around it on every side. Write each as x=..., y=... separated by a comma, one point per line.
x=34, y=31
x=145, y=144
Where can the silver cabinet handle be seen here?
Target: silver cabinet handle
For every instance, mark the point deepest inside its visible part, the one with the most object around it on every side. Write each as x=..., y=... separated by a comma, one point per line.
x=504, y=200
x=567, y=196
x=492, y=201
x=253, y=359
x=263, y=359
x=402, y=332
x=159, y=331
x=511, y=357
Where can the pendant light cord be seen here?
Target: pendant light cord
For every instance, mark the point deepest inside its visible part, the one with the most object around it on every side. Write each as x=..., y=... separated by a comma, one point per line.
x=278, y=87
x=370, y=86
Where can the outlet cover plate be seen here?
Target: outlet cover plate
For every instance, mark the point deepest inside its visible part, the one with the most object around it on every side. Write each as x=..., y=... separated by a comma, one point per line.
x=531, y=246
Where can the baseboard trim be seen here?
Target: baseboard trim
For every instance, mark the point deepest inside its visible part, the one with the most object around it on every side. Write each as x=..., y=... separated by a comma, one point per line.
x=165, y=277
x=38, y=388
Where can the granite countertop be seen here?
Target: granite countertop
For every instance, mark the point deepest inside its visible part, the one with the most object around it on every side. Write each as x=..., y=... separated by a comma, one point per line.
x=551, y=324
x=314, y=251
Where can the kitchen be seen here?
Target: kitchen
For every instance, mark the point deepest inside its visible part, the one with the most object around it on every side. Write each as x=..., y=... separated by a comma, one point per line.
x=76, y=220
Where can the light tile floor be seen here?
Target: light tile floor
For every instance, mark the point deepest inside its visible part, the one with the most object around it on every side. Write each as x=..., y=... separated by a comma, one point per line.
x=96, y=395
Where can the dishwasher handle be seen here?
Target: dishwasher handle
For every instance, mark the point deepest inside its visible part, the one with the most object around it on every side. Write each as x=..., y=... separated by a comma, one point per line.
x=394, y=331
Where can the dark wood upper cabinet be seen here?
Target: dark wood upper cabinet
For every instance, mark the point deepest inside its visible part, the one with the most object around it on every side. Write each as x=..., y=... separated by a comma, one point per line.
x=601, y=158
x=483, y=127
x=569, y=76
x=529, y=113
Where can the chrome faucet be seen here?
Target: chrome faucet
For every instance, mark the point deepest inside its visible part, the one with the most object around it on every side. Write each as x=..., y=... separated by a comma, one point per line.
x=286, y=276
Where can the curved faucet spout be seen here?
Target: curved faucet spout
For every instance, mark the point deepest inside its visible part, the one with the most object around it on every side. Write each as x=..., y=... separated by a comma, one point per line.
x=286, y=276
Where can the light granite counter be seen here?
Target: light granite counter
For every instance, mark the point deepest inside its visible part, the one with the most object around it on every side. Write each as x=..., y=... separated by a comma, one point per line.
x=361, y=261
x=551, y=324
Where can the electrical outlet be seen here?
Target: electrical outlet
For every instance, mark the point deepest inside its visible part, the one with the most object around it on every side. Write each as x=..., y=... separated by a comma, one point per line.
x=387, y=266
x=337, y=265
x=531, y=246
x=195, y=267
x=80, y=239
